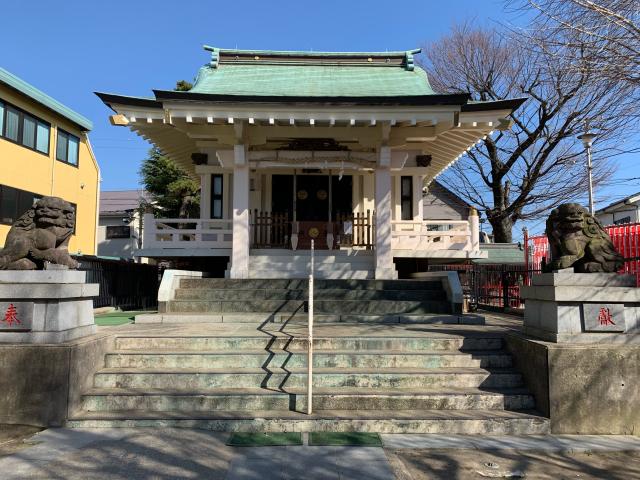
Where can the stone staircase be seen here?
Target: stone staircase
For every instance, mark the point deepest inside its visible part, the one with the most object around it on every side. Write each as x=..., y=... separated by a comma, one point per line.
x=387, y=379
x=386, y=359
x=330, y=264
x=254, y=300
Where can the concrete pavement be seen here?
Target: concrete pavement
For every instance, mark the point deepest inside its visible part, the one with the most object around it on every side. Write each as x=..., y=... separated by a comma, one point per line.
x=181, y=453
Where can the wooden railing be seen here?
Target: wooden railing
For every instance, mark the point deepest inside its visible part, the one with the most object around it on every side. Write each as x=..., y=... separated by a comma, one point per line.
x=269, y=230
x=186, y=233
x=431, y=235
x=273, y=230
x=354, y=230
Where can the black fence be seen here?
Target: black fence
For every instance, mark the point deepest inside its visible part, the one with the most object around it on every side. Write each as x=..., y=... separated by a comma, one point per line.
x=123, y=284
x=492, y=287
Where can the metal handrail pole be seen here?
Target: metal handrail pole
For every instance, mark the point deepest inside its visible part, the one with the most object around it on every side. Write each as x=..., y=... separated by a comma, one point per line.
x=310, y=338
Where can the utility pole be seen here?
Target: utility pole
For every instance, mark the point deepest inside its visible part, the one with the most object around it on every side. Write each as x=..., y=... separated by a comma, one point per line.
x=587, y=141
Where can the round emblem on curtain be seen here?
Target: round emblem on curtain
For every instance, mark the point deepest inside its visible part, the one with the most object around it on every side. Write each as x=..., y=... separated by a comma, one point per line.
x=314, y=232
x=302, y=194
x=321, y=194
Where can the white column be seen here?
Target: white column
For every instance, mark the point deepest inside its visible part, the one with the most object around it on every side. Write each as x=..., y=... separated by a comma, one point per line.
x=384, y=257
x=240, y=248
x=474, y=226
x=148, y=230
x=205, y=196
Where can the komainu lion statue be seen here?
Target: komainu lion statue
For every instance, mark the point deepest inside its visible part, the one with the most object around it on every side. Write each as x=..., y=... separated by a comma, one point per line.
x=578, y=240
x=40, y=235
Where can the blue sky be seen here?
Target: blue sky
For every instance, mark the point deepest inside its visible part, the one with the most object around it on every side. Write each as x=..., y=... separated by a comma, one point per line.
x=72, y=48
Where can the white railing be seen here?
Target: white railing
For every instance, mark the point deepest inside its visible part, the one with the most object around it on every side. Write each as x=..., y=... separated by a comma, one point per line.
x=186, y=233
x=310, y=337
x=431, y=235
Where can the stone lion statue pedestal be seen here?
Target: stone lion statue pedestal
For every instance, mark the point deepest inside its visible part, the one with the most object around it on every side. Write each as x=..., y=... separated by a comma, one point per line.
x=582, y=307
x=41, y=300
x=45, y=306
x=581, y=299
x=579, y=350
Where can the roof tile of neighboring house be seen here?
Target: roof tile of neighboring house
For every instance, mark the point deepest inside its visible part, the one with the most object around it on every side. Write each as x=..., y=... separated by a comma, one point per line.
x=121, y=200
x=620, y=203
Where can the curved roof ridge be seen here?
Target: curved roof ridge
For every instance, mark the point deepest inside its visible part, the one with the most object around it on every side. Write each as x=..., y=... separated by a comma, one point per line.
x=311, y=53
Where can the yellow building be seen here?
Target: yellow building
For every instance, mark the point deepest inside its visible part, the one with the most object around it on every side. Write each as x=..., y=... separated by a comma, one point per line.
x=45, y=150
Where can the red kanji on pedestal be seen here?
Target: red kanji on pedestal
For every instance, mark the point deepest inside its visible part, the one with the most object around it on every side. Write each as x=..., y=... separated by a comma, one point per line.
x=605, y=317
x=11, y=315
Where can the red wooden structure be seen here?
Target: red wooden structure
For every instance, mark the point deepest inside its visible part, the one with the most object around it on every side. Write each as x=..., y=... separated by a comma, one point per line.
x=626, y=239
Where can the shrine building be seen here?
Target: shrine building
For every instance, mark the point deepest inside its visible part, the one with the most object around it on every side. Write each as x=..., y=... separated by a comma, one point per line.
x=292, y=146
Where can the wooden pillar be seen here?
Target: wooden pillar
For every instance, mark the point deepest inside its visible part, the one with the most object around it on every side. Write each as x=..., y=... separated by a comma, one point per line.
x=384, y=256
x=240, y=248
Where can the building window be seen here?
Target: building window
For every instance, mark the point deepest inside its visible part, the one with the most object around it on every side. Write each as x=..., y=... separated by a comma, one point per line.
x=67, y=148
x=22, y=128
x=118, y=231
x=620, y=221
x=216, y=196
x=406, y=198
x=14, y=203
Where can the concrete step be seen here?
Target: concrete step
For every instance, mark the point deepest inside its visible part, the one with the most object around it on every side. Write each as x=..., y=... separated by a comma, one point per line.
x=452, y=422
x=319, y=294
x=272, y=377
x=296, y=400
x=296, y=284
x=303, y=318
x=342, y=307
x=286, y=342
x=306, y=260
x=321, y=359
x=330, y=273
x=280, y=252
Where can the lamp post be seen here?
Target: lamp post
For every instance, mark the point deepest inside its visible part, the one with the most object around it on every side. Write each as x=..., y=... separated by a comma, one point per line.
x=587, y=140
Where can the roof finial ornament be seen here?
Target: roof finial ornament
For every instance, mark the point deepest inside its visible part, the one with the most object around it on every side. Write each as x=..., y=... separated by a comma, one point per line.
x=215, y=55
x=408, y=58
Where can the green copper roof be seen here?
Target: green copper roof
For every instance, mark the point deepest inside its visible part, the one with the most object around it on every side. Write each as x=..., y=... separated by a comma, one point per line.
x=44, y=99
x=501, y=253
x=311, y=74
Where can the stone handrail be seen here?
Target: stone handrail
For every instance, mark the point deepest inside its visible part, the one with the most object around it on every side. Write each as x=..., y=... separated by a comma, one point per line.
x=186, y=233
x=421, y=235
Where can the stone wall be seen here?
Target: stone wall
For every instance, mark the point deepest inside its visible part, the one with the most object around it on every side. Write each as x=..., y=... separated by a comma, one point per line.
x=41, y=384
x=583, y=389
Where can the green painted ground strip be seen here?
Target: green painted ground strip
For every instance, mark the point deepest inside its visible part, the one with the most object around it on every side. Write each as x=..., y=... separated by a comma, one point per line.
x=116, y=318
x=345, y=439
x=264, y=439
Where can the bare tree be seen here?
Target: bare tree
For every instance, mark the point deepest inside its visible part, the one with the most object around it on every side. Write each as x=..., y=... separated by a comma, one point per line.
x=605, y=32
x=521, y=173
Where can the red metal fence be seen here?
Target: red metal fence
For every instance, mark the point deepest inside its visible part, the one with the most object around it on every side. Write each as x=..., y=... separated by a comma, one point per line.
x=498, y=286
x=626, y=239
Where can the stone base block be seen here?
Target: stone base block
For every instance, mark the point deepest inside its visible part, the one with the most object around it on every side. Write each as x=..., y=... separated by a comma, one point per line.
x=582, y=308
x=49, y=306
x=584, y=389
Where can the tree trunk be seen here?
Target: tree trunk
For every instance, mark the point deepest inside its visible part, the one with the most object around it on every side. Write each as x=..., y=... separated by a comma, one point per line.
x=502, y=229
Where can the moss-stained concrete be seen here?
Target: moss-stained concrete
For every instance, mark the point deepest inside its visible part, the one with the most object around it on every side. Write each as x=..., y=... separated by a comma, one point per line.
x=41, y=384
x=582, y=388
